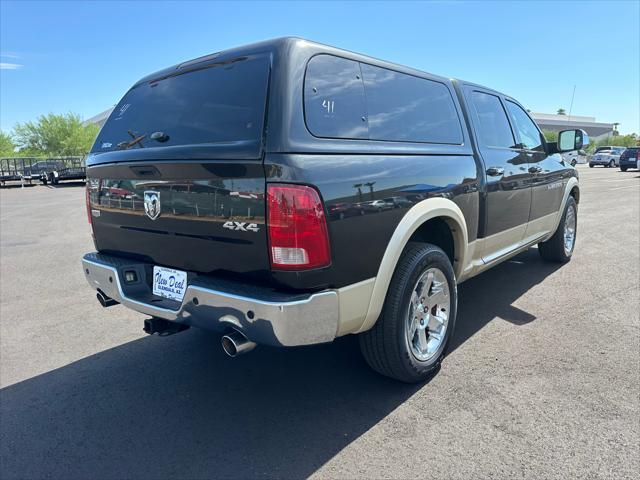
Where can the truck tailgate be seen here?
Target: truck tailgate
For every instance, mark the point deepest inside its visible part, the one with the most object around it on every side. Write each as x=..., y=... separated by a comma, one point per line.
x=202, y=216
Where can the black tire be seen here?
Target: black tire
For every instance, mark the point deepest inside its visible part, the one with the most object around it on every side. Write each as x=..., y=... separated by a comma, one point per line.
x=385, y=347
x=591, y=165
x=553, y=249
x=612, y=164
x=623, y=169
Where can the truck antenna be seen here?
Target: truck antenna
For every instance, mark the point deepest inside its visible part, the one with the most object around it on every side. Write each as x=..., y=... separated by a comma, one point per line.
x=571, y=106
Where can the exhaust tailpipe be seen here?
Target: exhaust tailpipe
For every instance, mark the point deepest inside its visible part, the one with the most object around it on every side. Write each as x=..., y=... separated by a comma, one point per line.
x=235, y=344
x=104, y=300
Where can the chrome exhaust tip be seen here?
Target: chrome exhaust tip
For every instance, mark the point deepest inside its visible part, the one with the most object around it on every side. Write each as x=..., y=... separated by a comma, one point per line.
x=235, y=344
x=104, y=300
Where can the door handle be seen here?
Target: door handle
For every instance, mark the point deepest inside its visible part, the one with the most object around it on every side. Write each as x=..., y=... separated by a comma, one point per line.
x=535, y=169
x=495, y=171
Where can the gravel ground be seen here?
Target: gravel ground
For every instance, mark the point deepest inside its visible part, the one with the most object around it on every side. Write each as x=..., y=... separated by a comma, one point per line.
x=542, y=382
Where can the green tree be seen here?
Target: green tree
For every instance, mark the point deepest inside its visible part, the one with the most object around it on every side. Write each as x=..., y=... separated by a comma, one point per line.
x=55, y=135
x=7, y=147
x=616, y=141
x=550, y=136
x=561, y=111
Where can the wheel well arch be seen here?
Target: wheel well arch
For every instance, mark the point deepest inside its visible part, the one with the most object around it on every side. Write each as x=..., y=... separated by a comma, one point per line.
x=575, y=193
x=438, y=231
x=436, y=220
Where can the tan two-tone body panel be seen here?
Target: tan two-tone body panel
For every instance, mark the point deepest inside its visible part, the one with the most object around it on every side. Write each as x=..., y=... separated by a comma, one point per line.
x=361, y=303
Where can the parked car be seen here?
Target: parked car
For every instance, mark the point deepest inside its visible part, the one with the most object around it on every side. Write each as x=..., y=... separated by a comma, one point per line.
x=376, y=206
x=606, y=156
x=344, y=210
x=292, y=274
x=575, y=157
x=630, y=158
x=398, y=202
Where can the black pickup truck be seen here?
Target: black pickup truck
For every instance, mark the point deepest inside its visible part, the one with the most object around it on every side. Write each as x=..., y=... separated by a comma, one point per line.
x=287, y=193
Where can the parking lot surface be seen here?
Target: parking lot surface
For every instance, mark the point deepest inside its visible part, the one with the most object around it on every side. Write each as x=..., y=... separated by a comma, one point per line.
x=542, y=381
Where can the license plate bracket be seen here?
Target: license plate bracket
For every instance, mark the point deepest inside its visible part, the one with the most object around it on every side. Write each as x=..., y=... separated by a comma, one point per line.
x=169, y=283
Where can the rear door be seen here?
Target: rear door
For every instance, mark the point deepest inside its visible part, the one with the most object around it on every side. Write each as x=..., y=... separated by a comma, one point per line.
x=176, y=175
x=508, y=193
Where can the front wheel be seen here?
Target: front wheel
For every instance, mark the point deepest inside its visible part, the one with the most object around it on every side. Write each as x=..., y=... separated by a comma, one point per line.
x=409, y=340
x=591, y=165
x=612, y=164
x=559, y=247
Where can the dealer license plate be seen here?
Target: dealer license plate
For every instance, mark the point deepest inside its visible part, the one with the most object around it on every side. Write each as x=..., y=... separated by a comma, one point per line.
x=169, y=283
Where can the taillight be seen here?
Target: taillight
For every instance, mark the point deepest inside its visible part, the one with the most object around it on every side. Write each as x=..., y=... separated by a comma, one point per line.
x=638, y=154
x=298, y=238
x=88, y=201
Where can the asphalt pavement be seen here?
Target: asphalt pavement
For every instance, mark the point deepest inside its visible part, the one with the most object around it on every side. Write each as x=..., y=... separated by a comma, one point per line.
x=543, y=380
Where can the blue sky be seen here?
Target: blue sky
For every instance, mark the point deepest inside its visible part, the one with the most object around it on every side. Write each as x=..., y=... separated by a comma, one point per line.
x=82, y=57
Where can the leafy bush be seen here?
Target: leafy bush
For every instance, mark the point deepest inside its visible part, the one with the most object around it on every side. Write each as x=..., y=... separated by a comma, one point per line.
x=550, y=136
x=55, y=135
x=7, y=146
x=616, y=141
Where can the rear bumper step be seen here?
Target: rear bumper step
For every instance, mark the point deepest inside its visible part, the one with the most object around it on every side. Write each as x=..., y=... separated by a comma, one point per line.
x=262, y=315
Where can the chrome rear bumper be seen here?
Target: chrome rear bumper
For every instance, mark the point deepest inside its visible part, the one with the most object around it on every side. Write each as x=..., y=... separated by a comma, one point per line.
x=261, y=314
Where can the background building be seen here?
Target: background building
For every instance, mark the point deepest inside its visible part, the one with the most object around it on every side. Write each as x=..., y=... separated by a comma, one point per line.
x=555, y=123
x=99, y=119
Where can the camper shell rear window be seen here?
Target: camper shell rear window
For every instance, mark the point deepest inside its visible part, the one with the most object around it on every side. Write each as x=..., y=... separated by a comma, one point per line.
x=217, y=102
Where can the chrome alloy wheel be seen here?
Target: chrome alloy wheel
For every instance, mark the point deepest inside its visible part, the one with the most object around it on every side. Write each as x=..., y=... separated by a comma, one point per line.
x=428, y=314
x=569, y=230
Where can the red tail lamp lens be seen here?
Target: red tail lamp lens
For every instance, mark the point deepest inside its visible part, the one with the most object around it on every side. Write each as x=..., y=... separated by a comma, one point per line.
x=88, y=201
x=297, y=227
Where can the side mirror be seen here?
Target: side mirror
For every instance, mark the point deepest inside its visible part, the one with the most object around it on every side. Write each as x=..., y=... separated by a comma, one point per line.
x=569, y=140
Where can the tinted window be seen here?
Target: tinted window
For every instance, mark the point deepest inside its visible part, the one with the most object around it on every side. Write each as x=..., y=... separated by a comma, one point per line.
x=529, y=134
x=217, y=103
x=409, y=109
x=493, y=125
x=334, y=98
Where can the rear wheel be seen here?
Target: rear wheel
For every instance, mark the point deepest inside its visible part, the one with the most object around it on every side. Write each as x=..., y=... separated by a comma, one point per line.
x=612, y=164
x=409, y=340
x=590, y=165
x=623, y=169
x=559, y=248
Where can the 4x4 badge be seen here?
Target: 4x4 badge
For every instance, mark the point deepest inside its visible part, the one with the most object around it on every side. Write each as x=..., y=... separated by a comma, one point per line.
x=241, y=226
x=152, y=204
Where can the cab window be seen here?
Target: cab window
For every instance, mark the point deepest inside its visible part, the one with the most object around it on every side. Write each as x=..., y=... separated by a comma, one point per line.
x=493, y=126
x=526, y=130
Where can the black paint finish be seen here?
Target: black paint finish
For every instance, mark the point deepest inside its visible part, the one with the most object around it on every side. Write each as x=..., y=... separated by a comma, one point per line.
x=366, y=185
x=359, y=227
x=196, y=200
